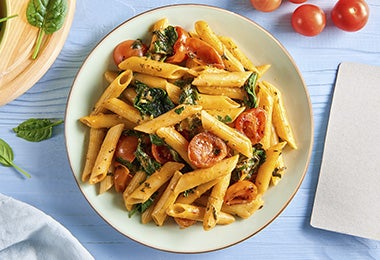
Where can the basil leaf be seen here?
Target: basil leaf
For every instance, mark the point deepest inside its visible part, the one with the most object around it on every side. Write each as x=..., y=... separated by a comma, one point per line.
x=249, y=87
x=48, y=15
x=6, y=157
x=36, y=129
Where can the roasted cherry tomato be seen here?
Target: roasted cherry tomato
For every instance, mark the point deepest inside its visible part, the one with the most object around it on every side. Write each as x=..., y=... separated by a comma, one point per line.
x=126, y=148
x=252, y=123
x=121, y=178
x=297, y=1
x=206, y=149
x=180, y=49
x=308, y=20
x=350, y=15
x=128, y=49
x=161, y=153
x=240, y=192
x=203, y=53
x=266, y=5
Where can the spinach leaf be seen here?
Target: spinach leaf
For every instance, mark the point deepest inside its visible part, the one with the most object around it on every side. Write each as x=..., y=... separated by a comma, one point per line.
x=249, y=87
x=249, y=166
x=36, y=129
x=189, y=95
x=148, y=164
x=151, y=101
x=7, y=156
x=141, y=207
x=165, y=41
x=48, y=15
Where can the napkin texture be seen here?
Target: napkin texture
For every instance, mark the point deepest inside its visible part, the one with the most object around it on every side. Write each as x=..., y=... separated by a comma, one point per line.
x=28, y=233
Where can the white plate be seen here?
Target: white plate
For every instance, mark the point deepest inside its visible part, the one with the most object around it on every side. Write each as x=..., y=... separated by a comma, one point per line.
x=258, y=45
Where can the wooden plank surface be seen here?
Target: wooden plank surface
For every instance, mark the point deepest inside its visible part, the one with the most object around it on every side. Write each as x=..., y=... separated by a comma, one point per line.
x=18, y=71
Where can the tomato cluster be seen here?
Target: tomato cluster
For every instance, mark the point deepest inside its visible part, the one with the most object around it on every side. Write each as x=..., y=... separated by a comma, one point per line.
x=310, y=19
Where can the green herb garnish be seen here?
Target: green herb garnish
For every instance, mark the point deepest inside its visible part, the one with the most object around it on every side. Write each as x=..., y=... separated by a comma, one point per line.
x=7, y=156
x=48, y=15
x=249, y=87
x=36, y=129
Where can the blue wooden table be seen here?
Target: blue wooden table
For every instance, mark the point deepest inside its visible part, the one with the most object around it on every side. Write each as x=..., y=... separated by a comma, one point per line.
x=53, y=189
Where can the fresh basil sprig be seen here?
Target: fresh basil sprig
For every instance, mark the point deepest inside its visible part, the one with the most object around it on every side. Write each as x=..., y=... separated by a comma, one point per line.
x=36, y=129
x=48, y=15
x=7, y=156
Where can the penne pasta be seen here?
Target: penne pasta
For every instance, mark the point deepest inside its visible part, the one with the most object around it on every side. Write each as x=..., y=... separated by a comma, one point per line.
x=216, y=102
x=266, y=103
x=201, y=176
x=244, y=210
x=143, y=192
x=235, y=93
x=106, y=121
x=170, y=118
x=136, y=180
x=221, y=79
x=105, y=155
x=124, y=110
x=94, y=143
x=264, y=174
x=155, y=68
x=226, y=115
x=113, y=90
x=233, y=137
x=192, y=212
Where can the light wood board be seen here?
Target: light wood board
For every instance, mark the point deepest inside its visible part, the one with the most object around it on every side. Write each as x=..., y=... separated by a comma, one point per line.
x=18, y=71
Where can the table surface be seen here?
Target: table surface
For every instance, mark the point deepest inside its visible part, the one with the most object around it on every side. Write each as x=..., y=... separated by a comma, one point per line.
x=53, y=189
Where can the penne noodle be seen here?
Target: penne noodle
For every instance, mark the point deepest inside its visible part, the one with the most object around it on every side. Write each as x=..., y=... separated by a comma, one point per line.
x=105, y=155
x=233, y=137
x=136, y=180
x=235, y=93
x=197, y=192
x=226, y=115
x=215, y=202
x=201, y=176
x=106, y=121
x=166, y=199
x=143, y=192
x=192, y=212
x=146, y=216
x=169, y=118
x=265, y=171
x=151, y=81
x=113, y=90
x=155, y=68
x=266, y=103
x=280, y=117
x=124, y=110
x=221, y=79
x=215, y=102
x=94, y=143
x=110, y=76
x=176, y=141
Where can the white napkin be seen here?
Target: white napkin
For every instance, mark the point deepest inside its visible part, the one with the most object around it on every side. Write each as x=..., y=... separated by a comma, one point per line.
x=28, y=233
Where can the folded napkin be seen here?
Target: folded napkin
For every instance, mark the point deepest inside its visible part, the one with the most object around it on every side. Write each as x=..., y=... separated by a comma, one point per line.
x=28, y=233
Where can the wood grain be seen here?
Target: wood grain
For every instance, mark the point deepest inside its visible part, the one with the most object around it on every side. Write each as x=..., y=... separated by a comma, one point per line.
x=18, y=71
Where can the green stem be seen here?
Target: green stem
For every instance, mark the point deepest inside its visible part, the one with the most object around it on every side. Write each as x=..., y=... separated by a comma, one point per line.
x=38, y=44
x=7, y=18
x=21, y=170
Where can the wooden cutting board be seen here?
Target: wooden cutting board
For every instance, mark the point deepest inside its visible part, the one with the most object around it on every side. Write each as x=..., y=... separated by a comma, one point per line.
x=18, y=71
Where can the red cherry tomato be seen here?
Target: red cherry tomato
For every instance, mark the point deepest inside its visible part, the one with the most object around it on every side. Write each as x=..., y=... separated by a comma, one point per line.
x=203, y=53
x=180, y=50
x=121, y=178
x=266, y=5
x=126, y=148
x=308, y=20
x=161, y=153
x=297, y=1
x=127, y=49
x=350, y=15
x=206, y=149
x=240, y=192
x=252, y=124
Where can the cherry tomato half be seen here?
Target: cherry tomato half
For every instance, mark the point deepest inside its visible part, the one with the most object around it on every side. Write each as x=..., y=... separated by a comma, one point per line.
x=350, y=15
x=126, y=148
x=127, y=49
x=308, y=20
x=180, y=49
x=266, y=5
x=121, y=178
x=240, y=192
x=203, y=53
x=161, y=153
x=252, y=124
x=206, y=149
